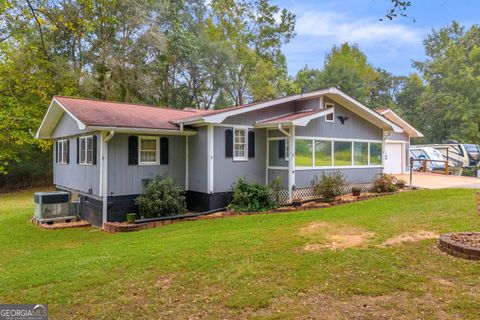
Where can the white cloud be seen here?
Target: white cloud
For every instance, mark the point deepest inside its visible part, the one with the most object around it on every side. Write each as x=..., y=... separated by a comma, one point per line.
x=367, y=32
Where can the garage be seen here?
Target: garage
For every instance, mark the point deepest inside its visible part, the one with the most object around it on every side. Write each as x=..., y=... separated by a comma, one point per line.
x=394, y=160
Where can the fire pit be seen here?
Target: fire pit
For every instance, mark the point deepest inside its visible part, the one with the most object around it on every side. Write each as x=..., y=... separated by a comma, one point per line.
x=462, y=244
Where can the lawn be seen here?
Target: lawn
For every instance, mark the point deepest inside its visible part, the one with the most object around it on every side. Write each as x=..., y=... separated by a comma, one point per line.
x=263, y=267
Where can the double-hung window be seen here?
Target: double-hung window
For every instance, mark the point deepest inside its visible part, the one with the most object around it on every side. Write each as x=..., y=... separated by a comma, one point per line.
x=62, y=152
x=240, y=144
x=331, y=116
x=148, y=151
x=86, y=150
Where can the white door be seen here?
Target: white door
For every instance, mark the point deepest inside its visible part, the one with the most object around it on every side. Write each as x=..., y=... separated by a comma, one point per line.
x=393, y=158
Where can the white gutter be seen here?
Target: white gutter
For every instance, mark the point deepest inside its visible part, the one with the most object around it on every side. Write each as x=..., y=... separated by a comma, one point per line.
x=283, y=130
x=104, y=174
x=172, y=132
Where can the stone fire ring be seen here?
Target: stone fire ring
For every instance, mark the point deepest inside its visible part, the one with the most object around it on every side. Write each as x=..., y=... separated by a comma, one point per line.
x=448, y=245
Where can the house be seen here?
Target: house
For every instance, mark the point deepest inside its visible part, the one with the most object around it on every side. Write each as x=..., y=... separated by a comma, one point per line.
x=105, y=152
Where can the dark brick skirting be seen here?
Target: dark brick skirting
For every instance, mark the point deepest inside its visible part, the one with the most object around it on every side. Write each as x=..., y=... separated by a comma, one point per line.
x=446, y=244
x=200, y=201
x=91, y=210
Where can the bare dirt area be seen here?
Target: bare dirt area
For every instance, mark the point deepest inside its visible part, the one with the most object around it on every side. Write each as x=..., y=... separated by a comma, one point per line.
x=326, y=235
x=410, y=237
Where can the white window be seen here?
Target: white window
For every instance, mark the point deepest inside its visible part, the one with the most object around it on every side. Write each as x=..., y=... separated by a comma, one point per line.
x=62, y=152
x=331, y=116
x=86, y=150
x=240, y=144
x=148, y=151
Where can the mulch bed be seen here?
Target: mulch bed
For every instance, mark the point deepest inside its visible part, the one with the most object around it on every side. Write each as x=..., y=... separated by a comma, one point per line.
x=468, y=239
x=307, y=205
x=462, y=244
x=65, y=225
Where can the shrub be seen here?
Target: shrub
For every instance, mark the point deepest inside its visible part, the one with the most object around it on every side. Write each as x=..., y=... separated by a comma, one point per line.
x=161, y=198
x=384, y=183
x=356, y=191
x=251, y=197
x=329, y=186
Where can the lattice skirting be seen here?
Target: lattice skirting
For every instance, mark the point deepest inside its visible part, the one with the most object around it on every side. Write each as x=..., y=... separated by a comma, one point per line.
x=306, y=193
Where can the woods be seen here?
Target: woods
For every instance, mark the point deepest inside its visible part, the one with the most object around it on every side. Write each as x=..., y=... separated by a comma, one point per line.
x=204, y=55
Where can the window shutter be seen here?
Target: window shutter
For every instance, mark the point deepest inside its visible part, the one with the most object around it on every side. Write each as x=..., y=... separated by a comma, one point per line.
x=68, y=151
x=163, y=150
x=56, y=151
x=78, y=150
x=281, y=149
x=228, y=143
x=251, y=144
x=94, y=141
x=132, y=150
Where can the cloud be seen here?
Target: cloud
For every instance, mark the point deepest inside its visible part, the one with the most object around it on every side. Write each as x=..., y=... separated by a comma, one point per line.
x=367, y=32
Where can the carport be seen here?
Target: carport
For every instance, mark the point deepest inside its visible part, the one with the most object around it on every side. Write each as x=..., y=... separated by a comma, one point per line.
x=440, y=181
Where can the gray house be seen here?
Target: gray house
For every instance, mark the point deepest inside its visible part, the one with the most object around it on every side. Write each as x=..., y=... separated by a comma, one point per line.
x=105, y=152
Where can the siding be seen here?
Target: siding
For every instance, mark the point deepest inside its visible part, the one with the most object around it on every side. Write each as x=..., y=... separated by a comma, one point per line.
x=303, y=178
x=75, y=176
x=307, y=104
x=66, y=126
x=399, y=136
x=124, y=179
x=197, y=161
x=353, y=128
x=227, y=171
x=249, y=118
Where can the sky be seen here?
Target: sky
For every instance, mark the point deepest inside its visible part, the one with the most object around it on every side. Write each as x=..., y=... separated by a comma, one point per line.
x=391, y=45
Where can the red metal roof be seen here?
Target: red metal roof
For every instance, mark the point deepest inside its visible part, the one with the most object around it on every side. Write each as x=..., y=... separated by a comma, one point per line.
x=118, y=114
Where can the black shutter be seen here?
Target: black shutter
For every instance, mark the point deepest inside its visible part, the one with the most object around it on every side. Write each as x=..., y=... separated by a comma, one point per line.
x=78, y=150
x=251, y=144
x=228, y=143
x=132, y=150
x=68, y=151
x=56, y=151
x=281, y=149
x=94, y=140
x=163, y=150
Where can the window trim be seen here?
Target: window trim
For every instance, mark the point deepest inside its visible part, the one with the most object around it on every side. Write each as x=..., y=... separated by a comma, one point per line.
x=60, y=154
x=327, y=105
x=157, y=151
x=245, y=145
x=85, y=163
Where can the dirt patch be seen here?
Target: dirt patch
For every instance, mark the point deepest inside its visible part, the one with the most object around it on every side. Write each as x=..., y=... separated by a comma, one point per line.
x=410, y=237
x=326, y=235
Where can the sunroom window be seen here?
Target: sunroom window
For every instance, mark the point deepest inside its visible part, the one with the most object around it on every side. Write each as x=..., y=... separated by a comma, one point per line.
x=360, y=152
x=375, y=153
x=342, y=153
x=323, y=153
x=303, y=153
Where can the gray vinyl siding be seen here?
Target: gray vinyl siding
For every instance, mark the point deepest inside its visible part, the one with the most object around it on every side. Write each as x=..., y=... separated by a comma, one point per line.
x=399, y=136
x=227, y=171
x=274, y=133
x=66, y=126
x=307, y=104
x=197, y=161
x=303, y=178
x=250, y=118
x=125, y=179
x=75, y=176
x=353, y=128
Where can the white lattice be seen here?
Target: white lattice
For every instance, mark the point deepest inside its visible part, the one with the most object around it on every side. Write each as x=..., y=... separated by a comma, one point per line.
x=307, y=193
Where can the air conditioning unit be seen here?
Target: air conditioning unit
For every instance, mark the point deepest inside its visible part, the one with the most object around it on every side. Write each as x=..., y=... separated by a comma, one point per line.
x=51, y=206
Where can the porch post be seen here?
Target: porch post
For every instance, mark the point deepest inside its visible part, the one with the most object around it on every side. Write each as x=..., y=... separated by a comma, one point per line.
x=210, y=173
x=291, y=162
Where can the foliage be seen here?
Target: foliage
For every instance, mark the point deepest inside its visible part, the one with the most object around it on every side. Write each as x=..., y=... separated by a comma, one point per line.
x=384, y=183
x=329, y=186
x=161, y=198
x=251, y=197
x=356, y=190
x=276, y=186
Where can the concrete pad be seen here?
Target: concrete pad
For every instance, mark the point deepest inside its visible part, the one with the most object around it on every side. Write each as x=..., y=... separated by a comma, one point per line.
x=440, y=181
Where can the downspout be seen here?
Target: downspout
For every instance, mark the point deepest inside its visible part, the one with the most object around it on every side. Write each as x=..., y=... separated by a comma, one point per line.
x=105, y=175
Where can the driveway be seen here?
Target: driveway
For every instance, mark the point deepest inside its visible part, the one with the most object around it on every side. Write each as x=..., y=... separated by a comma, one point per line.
x=440, y=181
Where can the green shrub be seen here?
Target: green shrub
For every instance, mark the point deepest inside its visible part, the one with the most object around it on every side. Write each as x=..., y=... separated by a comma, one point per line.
x=161, y=198
x=356, y=190
x=251, y=197
x=384, y=183
x=329, y=186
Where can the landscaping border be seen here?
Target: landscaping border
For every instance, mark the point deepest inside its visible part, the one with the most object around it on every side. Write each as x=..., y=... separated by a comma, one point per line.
x=114, y=227
x=446, y=244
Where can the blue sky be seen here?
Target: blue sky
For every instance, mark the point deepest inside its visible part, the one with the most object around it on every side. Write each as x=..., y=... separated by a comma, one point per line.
x=391, y=45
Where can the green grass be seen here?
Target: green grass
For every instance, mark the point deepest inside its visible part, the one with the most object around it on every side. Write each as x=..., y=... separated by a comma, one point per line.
x=249, y=266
